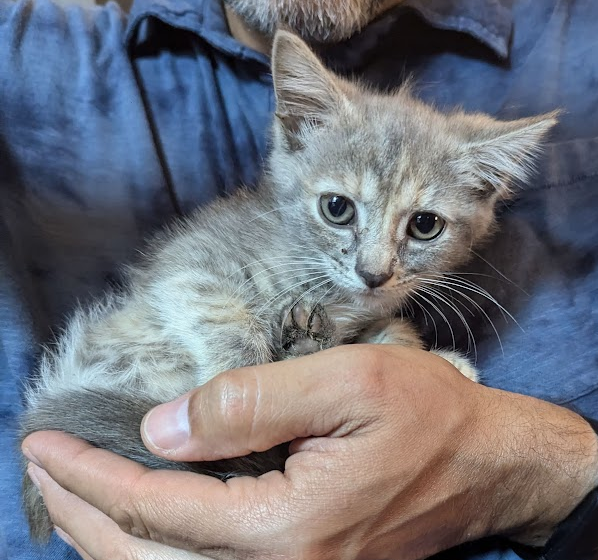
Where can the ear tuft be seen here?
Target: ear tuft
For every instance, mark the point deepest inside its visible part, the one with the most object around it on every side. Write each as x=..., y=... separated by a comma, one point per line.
x=503, y=153
x=306, y=92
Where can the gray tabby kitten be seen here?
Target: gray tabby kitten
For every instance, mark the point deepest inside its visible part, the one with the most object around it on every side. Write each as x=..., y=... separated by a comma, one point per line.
x=365, y=196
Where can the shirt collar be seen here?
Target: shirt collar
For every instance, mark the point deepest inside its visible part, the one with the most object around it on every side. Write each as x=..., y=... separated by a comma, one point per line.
x=203, y=17
x=489, y=21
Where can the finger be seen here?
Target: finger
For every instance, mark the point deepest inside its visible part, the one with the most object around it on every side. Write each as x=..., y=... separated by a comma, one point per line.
x=94, y=535
x=69, y=540
x=182, y=509
x=257, y=408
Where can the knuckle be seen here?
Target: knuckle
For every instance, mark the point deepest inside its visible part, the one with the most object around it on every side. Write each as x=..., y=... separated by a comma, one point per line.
x=120, y=549
x=368, y=378
x=236, y=396
x=122, y=514
x=129, y=551
x=127, y=513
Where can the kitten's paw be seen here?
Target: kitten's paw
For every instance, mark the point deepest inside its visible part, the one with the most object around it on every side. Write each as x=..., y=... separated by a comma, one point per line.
x=460, y=362
x=306, y=330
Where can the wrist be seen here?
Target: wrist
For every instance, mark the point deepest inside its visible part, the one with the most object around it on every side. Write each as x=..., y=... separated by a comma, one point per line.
x=575, y=537
x=545, y=461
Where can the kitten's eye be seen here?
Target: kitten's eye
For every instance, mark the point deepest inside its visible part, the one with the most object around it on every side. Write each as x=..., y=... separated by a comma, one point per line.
x=426, y=226
x=337, y=209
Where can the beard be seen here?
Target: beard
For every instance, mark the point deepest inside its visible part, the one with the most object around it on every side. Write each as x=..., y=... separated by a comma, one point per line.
x=323, y=21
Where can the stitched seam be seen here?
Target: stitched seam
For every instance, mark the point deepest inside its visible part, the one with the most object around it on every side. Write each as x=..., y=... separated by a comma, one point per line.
x=558, y=184
x=587, y=392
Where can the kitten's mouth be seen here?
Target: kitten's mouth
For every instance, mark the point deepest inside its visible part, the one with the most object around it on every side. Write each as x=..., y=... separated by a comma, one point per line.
x=402, y=287
x=395, y=295
x=384, y=295
x=373, y=292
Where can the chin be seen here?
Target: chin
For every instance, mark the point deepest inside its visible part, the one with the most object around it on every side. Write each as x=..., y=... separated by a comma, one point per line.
x=315, y=20
x=387, y=298
x=375, y=298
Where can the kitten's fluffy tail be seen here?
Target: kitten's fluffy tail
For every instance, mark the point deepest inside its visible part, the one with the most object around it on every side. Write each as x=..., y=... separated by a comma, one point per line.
x=111, y=420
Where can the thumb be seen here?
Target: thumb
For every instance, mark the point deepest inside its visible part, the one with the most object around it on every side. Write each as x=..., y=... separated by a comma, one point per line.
x=259, y=407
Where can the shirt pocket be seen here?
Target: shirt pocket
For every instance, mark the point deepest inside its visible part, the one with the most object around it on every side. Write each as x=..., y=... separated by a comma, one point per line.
x=547, y=247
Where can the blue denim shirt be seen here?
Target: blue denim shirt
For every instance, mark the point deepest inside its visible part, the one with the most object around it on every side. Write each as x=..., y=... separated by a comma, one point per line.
x=109, y=125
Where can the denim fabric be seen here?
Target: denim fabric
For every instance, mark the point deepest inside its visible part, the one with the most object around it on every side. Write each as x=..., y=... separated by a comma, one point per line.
x=109, y=125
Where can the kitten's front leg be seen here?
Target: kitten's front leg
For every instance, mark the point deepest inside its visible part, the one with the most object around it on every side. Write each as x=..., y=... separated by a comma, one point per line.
x=400, y=331
x=229, y=340
x=220, y=332
x=391, y=331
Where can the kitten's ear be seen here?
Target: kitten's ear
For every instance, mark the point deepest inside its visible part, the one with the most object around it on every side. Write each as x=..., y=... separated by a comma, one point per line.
x=305, y=91
x=502, y=154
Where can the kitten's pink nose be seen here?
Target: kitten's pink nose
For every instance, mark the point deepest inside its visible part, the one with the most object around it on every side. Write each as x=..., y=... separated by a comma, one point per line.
x=374, y=280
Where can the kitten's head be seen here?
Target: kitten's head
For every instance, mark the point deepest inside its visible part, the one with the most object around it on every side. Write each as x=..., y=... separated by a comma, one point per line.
x=383, y=187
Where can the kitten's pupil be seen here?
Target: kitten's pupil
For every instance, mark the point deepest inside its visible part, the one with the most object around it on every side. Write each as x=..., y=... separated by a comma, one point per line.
x=337, y=206
x=425, y=222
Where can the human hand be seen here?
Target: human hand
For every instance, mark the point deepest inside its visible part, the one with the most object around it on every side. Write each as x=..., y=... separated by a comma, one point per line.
x=394, y=455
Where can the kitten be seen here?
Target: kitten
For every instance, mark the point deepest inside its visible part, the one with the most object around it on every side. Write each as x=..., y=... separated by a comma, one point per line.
x=365, y=196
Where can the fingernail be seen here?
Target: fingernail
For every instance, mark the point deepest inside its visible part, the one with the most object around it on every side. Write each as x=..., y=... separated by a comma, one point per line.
x=64, y=536
x=31, y=472
x=166, y=427
x=31, y=457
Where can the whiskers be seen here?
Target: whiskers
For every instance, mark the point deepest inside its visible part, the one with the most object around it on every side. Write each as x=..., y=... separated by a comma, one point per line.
x=458, y=294
x=495, y=270
x=289, y=273
x=263, y=215
x=284, y=266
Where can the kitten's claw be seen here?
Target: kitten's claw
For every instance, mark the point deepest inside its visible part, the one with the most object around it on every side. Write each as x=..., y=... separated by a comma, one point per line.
x=315, y=322
x=306, y=330
x=298, y=317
